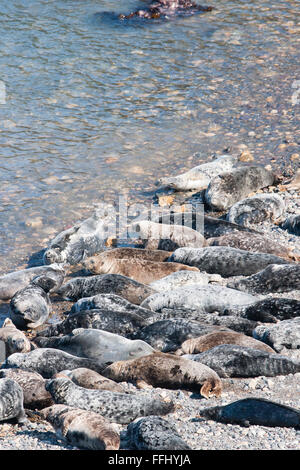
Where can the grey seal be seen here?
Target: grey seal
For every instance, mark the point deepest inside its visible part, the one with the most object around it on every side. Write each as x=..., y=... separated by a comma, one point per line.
x=90, y=379
x=200, y=176
x=274, y=278
x=230, y=187
x=83, y=429
x=272, y=309
x=257, y=411
x=239, y=361
x=225, y=260
x=167, y=371
x=292, y=224
x=116, y=407
x=257, y=209
x=184, y=278
x=99, y=345
x=80, y=287
x=284, y=334
x=126, y=253
x=17, y=280
x=11, y=401
x=15, y=340
x=154, y=433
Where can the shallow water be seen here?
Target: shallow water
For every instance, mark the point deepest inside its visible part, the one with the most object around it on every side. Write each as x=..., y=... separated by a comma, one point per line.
x=95, y=105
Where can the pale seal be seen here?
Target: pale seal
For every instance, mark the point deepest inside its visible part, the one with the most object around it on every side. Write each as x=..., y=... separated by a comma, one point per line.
x=200, y=176
x=292, y=224
x=167, y=371
x=15, y=281
x=239, y=361
x=274, y=278
x=281, y=335
x=154, y=433
x=11, y=401
x=15, y=340
x=116, y=407
x=225, y=260
x=99, y=345
x=210, y=340
x=184, y=278
x=33, y=386
x=80, y=287
x=83, y=429
x=257, y=411
x=48, y=361
x=90, y=379
x=257, y=209
x=232, y=186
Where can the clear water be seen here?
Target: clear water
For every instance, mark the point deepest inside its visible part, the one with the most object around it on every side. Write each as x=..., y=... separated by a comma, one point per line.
x=95, y=105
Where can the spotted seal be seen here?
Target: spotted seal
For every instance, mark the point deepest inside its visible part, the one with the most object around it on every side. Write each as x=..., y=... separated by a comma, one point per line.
x=15, y=340
x=116, y=407
x=272, y=309
x=292, y=224
x=123, y=286
x=284, y=334
x=95, y=344
x=11, y=401
x=240, y=361
x=225, y=260
x=33, y=386
x=274, y=278
x=167, y=8
x=200, y=176
x=184, y=278
x=90, y=379
x=257, y=209
x=167, y=371
x=230, y=187
x=257, y=411
x=83, y=429
x=154, y=433
x=17, y=280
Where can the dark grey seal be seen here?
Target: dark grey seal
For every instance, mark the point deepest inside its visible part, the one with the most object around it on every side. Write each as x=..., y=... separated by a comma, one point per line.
x=230, y=187
x=272, y=309
x=11, y=401
x=127, y=288
x=225, y=260
x=154, y=433
x=257, y=411
x=239, y=361
x=257, y=209
x=284, y=334
x=274, y=278
x=116, y=407
x=292, y=224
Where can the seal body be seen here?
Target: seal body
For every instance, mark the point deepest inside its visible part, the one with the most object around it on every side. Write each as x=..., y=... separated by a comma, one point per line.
x=167, y=371
x=272, y=309
x=183, y=278
x=154, y=433
x=11, y=401
x=292, y=224
x=230, y=187
x=284, y=334
x=256, y=411
x=116, y=407
x=99, y=345
x=15, y=340
x=167, y=8
x=126, y=253
x=257, y=209
x=90, y=379
x=225, y=260
x=83, y=429
x=131, y=290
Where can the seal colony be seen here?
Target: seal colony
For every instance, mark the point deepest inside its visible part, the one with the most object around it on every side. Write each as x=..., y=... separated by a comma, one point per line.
x=194, y=313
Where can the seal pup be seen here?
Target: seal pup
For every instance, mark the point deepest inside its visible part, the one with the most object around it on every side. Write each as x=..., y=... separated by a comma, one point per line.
x=292, y=224
x=225, y=260
x=284, y=334
x=257, y=209
x=17, y=280
x=116, y=407
x=113, y=321
x=168, y=335
x=83, y=429
x=202, y=299
x=200, y=176
x=15, y=340
x=90, y=379
x=274, y=278
x=49, y=361
x=184, y=278
x=253, y=242
x=82, y=240
x=123, y=286
x=257, y=411
x=210, y=340
x=230, y=187
x=126, y=253
x=142, y=271
x=11, y=401
x=154, y=433
x=167, y=371
x=178, y=234
x=230, y=360
x=33, y=386
x=99, y=345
